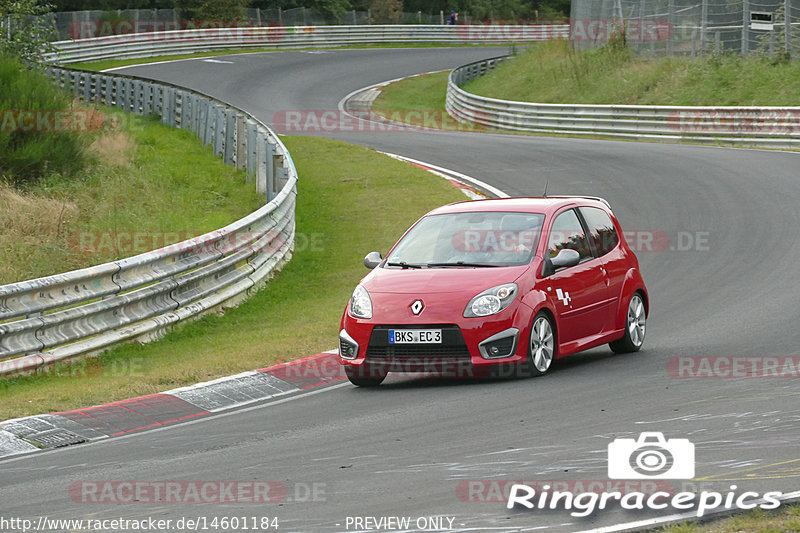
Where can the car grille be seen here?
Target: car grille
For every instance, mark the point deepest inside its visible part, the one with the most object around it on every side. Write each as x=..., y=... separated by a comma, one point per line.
x=452, y=348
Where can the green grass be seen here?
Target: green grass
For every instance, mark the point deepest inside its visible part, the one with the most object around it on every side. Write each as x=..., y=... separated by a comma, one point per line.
x=147, y=180
x=554, y=73
x=27, y=154
x=351, y=200
x=419, y=101
x=783, y=520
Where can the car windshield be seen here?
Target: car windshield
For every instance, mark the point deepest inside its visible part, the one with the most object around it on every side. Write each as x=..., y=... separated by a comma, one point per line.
x=476, y=239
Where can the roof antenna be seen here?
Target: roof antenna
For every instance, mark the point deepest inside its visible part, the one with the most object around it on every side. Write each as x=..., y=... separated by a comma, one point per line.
x=545, y=188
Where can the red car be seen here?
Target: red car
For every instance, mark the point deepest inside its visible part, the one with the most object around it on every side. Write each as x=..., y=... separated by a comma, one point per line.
x=515, y=282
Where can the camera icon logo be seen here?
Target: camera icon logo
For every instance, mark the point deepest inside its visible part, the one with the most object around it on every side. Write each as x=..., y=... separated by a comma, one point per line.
x=650, y=457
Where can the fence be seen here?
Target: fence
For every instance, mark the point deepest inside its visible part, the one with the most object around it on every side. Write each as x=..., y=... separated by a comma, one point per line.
x=692, y=27
x=85, y=311
x=184, y=41
x=773, y=127
x=97, y=23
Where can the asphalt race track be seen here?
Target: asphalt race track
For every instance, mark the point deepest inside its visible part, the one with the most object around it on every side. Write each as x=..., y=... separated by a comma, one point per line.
x=723, y=285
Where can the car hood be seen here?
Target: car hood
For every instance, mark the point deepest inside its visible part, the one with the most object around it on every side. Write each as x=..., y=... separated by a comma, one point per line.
x=439, y=280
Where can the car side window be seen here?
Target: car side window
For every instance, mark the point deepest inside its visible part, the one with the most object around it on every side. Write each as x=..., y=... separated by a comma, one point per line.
x=602, y=233
x=567, y=232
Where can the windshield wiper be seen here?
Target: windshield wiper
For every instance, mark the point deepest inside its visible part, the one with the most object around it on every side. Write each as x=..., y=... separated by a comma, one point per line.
x=404, y=265
x=460, y=264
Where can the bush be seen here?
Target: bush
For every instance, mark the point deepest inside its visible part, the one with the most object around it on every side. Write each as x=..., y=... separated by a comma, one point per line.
x=25, y=32
x=386, y=11
x=32, y=147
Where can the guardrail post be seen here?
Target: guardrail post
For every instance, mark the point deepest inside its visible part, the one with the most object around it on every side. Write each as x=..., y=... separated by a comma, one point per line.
x=240, y=157
x=138, y=97
x=230, y=137
x=122, y=93
x=208, y=122
x=252, y=150
x=279, y=172
x=219, y=129
x=261, y=162
x=149, y=100
x=109, y=97
x=272, y=149
x=75, y=81
x=169, y=111
x=90, y=89
x=187, y=111
x=193, y=104
x=177, y=117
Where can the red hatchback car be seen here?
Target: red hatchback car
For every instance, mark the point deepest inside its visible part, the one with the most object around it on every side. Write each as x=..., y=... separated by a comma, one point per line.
x=514, y=281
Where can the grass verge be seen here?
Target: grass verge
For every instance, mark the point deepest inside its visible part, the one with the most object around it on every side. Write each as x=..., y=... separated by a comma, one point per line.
x=148, y=185
x=419, y=101
x=784, y=519
x=344, y=210
x=553, y=72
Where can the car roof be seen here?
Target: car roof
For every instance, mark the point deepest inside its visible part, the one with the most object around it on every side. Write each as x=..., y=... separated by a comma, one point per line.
x=544, y=205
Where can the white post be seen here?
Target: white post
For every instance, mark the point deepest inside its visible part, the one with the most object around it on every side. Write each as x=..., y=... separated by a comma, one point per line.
x=703, y=25
x=745, y=26
x=787, y=24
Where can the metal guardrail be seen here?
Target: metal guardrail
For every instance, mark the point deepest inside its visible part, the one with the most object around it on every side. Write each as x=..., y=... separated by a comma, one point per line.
x=767, y=127
x=136, y=45
x=83, y=312
x=138, y=298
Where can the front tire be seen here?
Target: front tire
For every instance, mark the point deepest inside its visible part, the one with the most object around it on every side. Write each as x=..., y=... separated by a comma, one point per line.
x=542, y=346
x=635, y=325
x=365, y=375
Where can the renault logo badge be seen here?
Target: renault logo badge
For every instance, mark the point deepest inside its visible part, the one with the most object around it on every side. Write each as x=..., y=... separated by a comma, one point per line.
x=417, y=307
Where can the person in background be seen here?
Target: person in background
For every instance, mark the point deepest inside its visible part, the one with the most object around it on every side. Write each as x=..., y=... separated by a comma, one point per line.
x=452, y=20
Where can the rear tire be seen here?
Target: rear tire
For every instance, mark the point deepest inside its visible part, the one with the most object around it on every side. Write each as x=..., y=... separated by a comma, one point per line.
x=542, y=346
x=635, y=322
x=365, y=375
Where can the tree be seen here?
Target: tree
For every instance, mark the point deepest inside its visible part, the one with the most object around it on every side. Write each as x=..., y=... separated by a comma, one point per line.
x=24, y=32
x=331, y=10
x=213, y=9
x=386, y=11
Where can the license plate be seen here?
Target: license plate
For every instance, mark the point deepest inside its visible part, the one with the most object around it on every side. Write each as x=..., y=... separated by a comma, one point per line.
x=415, y=336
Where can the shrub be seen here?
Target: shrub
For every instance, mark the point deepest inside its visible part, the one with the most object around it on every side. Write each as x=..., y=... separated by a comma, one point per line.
x=33, y=147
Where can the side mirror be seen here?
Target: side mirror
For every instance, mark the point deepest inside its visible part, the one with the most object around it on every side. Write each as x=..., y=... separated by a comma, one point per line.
x=373, y=259
x=565, y=258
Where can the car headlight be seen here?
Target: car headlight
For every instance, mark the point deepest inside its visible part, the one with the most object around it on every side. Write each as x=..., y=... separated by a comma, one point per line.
x=491, y=301
x=360, y=303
